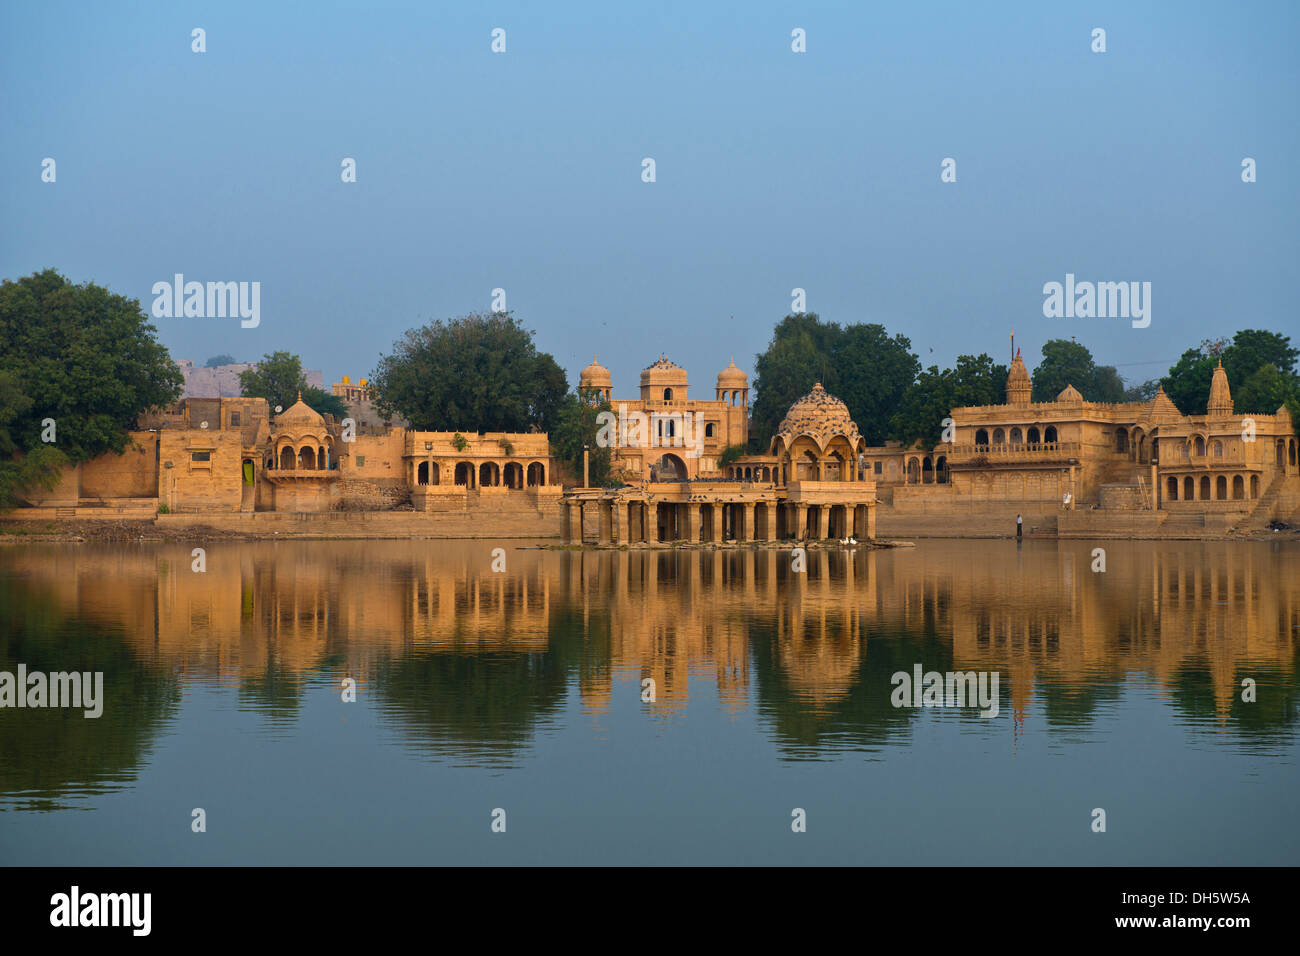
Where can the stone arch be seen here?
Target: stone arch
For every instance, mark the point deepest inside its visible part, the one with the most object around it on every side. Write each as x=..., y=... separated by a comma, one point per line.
x=1198, y=446
x=287, y=458
x=1221, y=488
x=1017, y=437
x=1121, y=441
x=1172, y=493
x=307, y=458
x=1254, y=486
x=489, y=475
x=709, y=430
x=913, y=471
x=927, y=470
x=1032, y=437
x=999, y=436
x=536, y=474
x=1050, y=436
x=1205, y=488
x=668, y=394
x=512, y=475
x=1189, y=488
x=464, y=474
x=982, y=437
x=426, y=473
x=1291, y=452
x=1216, y=448
x=941, y=470
x=1238, y=488
x=668, y=468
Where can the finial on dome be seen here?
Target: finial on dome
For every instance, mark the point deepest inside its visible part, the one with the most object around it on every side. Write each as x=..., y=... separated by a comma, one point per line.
x=300, y=395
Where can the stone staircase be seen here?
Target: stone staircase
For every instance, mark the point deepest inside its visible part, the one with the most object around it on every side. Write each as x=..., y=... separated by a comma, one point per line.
x=1277, y=501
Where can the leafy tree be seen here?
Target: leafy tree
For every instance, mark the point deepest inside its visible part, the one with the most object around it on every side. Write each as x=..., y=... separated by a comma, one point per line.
x=859, y=364
x=219, y=360
x=974, y=380
x=730, y=454
x=575, y=427
x=476, y=372
x=1143, y=392
x=82, y=356
x=279, y=379
x=1069, y=363
x=1188, y=381
x=1267, y=390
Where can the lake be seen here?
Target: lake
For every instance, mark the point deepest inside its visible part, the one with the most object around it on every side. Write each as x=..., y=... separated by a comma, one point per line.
x=647, y=707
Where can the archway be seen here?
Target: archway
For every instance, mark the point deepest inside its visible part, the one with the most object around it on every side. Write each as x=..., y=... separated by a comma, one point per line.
x=307, y=458
x=1205, y=488
x=422, y=473
x=1238, y=488
x=512, y=476
x=1254, y=486
x=1017, y=437
x=1172, y=493
x=981, y=437
x=1049, y=435
x=489, y=475
x=941, y=469
x=1121, y=441
x=464, y=474
x=536, y=474
x=1198, y=447
x=927, y=471
x=913, y=471
x=1221, y=488
x=668, y=468
x=999, y=436
x=287, y=459
x=1189, y=488
x=1032, y=436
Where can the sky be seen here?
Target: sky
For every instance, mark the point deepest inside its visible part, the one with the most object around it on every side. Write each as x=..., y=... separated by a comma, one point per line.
x=774, y=170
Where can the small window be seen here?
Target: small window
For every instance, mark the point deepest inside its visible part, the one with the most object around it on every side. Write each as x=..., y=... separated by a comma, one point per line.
x=361, y=461
x=234, y=419
x=201, y=456
x=708, y=430
x=878, y=468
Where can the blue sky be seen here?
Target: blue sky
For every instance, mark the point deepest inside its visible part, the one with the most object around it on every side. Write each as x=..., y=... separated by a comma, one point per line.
x=775, y=170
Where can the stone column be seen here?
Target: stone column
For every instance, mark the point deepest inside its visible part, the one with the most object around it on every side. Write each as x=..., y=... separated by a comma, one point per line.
x=692, y=521
x=715, y=523
x=769, y=533
x=748, y=530
x=871, y=522
x=1155, y=488
x=604, y=520
x=619, y=515
x=800, y=520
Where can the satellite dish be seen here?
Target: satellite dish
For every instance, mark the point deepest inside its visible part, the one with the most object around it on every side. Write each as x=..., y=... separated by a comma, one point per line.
x=203, y=424
x=279, y=409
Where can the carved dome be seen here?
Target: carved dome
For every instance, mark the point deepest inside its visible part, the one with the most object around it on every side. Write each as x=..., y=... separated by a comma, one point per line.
x=819, y=415
x=1019, y=387
x=595, y=375
x=663, y=372
x=299, y=415
x=732, y=377
x=1070, y=394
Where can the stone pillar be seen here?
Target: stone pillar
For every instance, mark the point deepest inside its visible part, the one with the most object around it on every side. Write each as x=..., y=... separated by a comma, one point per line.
x=871, y=522
x=1155, y=487
x=715, y=523
x=692, y=521
x=800, y=521
x=816, y=532
x=769, y=533
x=618, y=511
x=749, y=522
x=604, y=521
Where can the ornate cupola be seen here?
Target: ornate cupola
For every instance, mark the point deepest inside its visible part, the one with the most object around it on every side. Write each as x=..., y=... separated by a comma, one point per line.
x=1220, y=403
x=1019, y=387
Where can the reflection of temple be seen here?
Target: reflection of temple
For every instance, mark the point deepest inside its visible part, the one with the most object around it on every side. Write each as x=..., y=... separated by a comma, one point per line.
x=604, y=620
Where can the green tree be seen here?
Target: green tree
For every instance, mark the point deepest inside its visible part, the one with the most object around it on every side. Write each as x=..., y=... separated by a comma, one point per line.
x=477, y=372
x=1188, y=381
x=974, y=380
x=82, y=356
x=1069, y=363
x=860, y=364
x=218, y=360
x=1267, y=390
x=1143, y=392
x=575, y=427
x=279, y=379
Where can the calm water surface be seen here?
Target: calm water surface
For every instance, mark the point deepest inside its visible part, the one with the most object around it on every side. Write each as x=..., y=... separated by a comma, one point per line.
x=522, y=690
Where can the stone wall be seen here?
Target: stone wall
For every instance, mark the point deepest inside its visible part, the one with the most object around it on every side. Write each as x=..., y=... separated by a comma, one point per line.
x=132, y=474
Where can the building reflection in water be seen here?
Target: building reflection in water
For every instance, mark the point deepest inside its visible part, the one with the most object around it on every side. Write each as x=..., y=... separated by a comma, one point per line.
x=469, y=663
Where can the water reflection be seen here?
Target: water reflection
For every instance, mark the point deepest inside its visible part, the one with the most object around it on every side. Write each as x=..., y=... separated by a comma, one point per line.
x=470, y=665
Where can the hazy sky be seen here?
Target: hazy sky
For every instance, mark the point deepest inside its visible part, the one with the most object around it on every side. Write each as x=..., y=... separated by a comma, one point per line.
x=775, y=170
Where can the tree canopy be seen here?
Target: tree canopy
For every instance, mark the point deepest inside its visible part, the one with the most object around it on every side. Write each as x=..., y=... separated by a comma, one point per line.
x=1069, y=363
x=1261, y=370
x=279, y=379
x=473, y=372
x=974, y=380
x=82, y=356
x=575, y=427
x=218, y=360
x=859, y=364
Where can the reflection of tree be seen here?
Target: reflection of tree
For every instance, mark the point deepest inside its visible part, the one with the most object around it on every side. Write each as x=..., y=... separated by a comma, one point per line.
x=1073, y=704
x=49, y=753
x=480, y=703
x=276, y=694
x=864, y=715
x=1269, y=717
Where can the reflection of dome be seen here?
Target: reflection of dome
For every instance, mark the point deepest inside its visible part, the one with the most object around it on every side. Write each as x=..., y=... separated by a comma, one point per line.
x=1070, y=394
x=595, y=375
x=300, y=414
x=820, y=415
x=732, y=377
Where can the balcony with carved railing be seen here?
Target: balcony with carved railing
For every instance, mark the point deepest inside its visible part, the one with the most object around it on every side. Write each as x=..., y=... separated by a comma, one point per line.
x=1004, y=454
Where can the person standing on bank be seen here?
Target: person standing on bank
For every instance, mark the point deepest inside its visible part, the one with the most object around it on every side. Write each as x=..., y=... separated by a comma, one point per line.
x=1019, y=523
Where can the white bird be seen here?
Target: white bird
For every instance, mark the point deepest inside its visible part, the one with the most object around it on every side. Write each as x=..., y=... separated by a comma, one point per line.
x=853, y=540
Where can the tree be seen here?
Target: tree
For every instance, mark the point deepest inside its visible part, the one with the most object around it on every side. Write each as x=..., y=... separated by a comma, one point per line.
x=1069, y=363
x=860, y=364
x=974, y=380
x=1267, y=390
x=575, y=427
x=279, y=379
x=477, y=372
x=78, y=355
x=1188, y=381
x=219, y=360
x=1143, y=392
